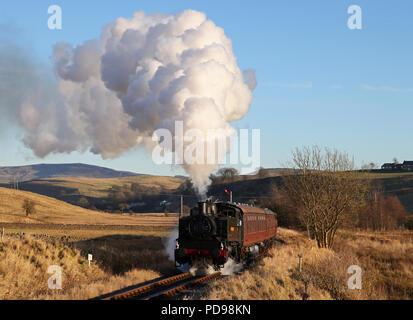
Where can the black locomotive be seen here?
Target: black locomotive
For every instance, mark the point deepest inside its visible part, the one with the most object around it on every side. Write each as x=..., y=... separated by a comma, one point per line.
x=217, y=231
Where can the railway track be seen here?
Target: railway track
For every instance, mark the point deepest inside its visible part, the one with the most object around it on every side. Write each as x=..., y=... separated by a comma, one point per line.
x=170, y=286
x=163, y=287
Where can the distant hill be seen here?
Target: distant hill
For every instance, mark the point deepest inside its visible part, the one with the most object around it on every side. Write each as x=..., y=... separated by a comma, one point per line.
x=251, y=187
x=399, y=184
x=103, y=188
x=53, y=211
x=106, y=193
x=48, y=171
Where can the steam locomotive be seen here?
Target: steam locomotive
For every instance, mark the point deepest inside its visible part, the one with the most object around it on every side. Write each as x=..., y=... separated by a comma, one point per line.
x=217, y=231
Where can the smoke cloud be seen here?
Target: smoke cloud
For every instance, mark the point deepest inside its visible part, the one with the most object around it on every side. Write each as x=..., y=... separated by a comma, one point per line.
x=142, y=74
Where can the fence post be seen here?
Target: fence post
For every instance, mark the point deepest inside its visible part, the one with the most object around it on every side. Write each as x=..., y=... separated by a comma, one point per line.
x=300, y=263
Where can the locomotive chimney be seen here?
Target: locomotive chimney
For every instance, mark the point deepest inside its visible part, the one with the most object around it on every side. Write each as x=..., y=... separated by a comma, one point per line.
x=202, y=208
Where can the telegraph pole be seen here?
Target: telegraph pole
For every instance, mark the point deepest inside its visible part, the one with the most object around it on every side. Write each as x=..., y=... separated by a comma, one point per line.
x=182, y=206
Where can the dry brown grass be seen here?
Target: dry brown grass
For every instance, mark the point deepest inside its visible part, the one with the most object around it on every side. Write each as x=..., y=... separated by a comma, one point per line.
x=118, y=254
x=82, y=232
x=387, y=270
x=387, y=258
x=126, y=249
x=49, y=210
x=23, y=271
x=99, y=188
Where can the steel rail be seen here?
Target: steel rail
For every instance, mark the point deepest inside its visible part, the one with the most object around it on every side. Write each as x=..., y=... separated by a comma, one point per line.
x=142, y=289
x=171, y=291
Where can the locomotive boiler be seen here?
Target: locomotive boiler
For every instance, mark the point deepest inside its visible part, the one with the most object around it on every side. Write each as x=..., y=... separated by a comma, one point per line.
x=217, y=231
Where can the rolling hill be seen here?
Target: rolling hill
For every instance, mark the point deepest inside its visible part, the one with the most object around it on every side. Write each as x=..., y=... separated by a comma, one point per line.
x=47, y=171
x=396, y=183
x=106, y=193
x=254, y=187
x=90, y=187
x=53, y=211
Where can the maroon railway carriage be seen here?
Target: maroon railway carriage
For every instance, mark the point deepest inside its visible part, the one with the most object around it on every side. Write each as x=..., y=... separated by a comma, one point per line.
x=259, y=225
x=217, y=231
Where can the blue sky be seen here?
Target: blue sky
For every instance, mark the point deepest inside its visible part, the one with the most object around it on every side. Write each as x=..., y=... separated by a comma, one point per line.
x=318, y=81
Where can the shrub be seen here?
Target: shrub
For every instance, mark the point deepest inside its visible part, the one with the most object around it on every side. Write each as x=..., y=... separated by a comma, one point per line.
x=29, y=207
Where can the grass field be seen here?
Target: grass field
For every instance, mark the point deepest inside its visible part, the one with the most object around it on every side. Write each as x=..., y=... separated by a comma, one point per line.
x=99, y=188
x=52, y=211
x=129, y=249
x=83, y=232
x=107, y=193
x=386, y=260
x=155, y=188
x=126, y=249
x=24, y=264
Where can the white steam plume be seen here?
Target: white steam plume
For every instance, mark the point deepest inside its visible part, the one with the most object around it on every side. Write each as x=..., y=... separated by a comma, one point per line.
x=144, y=73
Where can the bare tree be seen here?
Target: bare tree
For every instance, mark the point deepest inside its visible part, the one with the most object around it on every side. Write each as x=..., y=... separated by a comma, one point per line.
x=29, y=207
x=369, y=166
x=123, y=207
x=373, y=165
x=224, y=175
x=279, y=202
x=326, y=189
x=382, y=213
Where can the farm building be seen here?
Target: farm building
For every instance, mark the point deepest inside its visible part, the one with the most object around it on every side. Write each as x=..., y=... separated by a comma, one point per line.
x=406, y=166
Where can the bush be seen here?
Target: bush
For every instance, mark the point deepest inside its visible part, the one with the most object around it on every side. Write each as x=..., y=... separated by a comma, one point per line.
x=29, y=207
x=83, y=202
x=409, y=223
